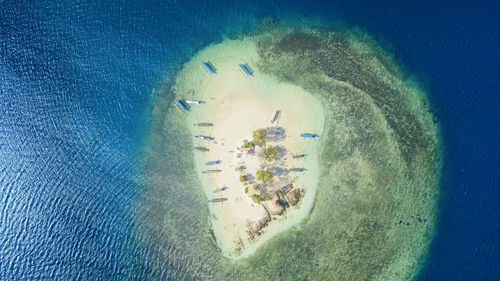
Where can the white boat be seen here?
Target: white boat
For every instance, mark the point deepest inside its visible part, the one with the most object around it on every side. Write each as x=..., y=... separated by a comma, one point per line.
x=204, y=138
x=195, y=101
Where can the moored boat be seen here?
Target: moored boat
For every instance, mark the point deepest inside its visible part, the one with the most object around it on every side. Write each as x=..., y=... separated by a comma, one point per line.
x=299, y=156
x=209, y=163
x=182, y=106
x=203, y=124
x=204, y=137
x=217, y=200
x=208, y=67
x=245, y=70
x=211, y=171
x=199, y=148
x=297, y=170
x=195, y=101
x=221, y=189
x=309, y=136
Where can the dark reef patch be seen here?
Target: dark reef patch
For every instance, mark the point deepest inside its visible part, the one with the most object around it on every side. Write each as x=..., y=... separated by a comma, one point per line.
x=298, y=42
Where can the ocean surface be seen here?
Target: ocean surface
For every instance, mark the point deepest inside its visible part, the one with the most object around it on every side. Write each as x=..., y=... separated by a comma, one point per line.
x=77, y=80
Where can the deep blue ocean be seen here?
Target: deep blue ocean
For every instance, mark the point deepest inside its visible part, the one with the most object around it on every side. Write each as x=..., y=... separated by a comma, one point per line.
x=76, y=83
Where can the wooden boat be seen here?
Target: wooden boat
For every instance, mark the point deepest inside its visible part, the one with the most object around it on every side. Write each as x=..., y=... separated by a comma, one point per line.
x=299, y=156
x=199, y=148
x=203, y=124
x=211, y=171
x=217, y=200
x=297, y=170
x=209, y=163
x=204, y=138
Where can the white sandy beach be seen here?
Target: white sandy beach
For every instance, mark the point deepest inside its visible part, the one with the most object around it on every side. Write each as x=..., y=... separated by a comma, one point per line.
x=237, y=106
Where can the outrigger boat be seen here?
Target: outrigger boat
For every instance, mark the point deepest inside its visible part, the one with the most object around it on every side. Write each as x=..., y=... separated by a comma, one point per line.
x=276, y=116
x=217, y=200
x=203, y=124
x=208, y=67
x=199, y=148
x=182, y=106
x=195, y=101
x=297, y=170
x=245, y=70
x=299, y=156
x=204, y=138
x=221, y=189
x=211, y=171
x=311, y=136
x=209, y=163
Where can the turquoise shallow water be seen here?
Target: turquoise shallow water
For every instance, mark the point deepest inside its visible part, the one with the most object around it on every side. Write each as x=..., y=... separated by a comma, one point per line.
x=77, y=79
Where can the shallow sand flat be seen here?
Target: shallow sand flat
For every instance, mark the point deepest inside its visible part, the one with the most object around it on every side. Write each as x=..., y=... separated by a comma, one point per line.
x=237, y=106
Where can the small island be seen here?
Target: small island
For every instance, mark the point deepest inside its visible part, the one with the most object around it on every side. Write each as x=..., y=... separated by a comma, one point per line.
x=295, y=154
x=258, y=173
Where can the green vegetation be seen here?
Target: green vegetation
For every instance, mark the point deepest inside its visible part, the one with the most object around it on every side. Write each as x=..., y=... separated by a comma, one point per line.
x=255, y=187
x=271, y=153
x=249, y=144
x=246, y=189
x=243, y=178
x=256, y=198
x=264, y=175
x=259, y=137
